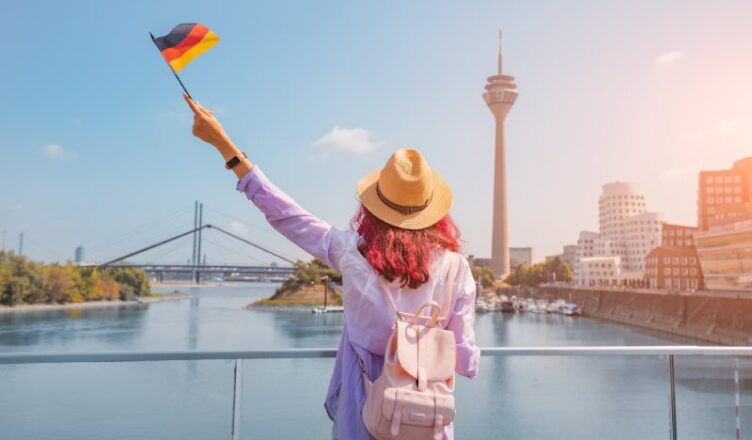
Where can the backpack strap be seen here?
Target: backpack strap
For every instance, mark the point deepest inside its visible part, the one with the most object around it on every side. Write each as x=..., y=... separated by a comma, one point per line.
x=449, y=291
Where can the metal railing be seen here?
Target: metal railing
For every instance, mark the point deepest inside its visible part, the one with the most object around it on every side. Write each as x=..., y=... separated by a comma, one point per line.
x=670, y=352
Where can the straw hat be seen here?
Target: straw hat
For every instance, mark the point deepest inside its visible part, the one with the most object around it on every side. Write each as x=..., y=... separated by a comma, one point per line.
x=406, y=192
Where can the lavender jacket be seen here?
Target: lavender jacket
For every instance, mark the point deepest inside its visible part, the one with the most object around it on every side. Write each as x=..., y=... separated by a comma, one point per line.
x=368, y=317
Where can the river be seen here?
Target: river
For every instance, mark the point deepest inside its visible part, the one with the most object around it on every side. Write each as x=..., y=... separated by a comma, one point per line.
x=513, y=397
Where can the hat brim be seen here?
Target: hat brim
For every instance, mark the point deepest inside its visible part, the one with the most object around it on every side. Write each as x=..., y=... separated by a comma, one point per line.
x=437, y=208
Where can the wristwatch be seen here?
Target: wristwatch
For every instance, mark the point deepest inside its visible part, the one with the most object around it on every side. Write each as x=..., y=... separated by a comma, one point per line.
x=234, y=161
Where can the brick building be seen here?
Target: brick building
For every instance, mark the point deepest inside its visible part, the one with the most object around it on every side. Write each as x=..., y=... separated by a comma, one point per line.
x=674, y=268
x=725, y=196
x=673, y=235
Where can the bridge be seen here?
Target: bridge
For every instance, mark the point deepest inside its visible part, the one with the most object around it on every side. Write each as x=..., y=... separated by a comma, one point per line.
x=197, y=269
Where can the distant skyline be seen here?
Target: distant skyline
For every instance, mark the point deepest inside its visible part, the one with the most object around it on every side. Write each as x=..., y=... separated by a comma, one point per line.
x=96, y=139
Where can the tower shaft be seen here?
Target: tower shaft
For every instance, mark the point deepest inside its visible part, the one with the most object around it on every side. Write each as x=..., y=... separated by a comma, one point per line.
x=500, y=229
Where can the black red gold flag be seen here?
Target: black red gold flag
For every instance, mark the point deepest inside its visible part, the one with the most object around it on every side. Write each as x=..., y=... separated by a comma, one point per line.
x=184, y=43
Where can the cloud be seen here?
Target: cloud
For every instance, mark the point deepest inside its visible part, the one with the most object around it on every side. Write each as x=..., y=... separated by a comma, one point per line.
x=238, y=228
x=728, y=128
x=346, y=140
x=677, y=173
x=56, y=152
x=669, y=58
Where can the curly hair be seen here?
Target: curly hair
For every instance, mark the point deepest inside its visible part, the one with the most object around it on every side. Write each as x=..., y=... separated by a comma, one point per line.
x=403, y=254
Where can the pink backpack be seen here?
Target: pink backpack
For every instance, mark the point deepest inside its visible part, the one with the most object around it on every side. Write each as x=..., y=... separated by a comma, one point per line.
x=413, y=398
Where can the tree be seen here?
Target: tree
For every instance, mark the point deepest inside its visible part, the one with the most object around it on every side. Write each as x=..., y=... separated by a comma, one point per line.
x=23, y=281
x=518, y=277
x=483, y=275
x=307, y=274
x=57, y=283
x=135, y=279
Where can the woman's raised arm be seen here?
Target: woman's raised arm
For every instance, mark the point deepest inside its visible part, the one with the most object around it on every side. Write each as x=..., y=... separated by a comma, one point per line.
x=312, y=234
x=206, y=127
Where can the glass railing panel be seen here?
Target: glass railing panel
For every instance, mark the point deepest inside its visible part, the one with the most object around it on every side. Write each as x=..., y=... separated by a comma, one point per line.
x=706, y=393
x=284, y=398
x=565, y=397
x=119, y=401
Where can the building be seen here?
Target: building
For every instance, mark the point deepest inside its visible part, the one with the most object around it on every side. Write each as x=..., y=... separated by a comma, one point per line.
x=600, y=271
x=79, y=255
x=521, y=255
x=500, y=94
x=725, y=254
x=586, y=244
x=673, y=268
x=673, y=235
x=626, y=230
x=568, y=255
x=725, y=196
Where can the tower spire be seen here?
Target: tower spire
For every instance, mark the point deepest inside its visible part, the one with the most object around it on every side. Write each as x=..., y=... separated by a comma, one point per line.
x=501, y=55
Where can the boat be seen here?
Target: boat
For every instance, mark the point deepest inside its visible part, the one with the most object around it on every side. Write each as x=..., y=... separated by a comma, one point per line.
x=329, y=309
x=520, y=306
x=507, y=307
x=540, y=306
x=570, y=309
x=481, y=305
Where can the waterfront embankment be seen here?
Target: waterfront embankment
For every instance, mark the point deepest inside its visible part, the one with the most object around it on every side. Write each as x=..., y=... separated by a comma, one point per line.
x=24, y=308
x=716, y=317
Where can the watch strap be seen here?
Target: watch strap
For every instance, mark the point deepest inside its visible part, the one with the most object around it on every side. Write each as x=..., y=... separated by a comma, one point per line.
x=234, y=161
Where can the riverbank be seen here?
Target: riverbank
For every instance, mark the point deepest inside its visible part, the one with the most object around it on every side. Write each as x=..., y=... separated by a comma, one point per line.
x=24, y=308
x=714, y=317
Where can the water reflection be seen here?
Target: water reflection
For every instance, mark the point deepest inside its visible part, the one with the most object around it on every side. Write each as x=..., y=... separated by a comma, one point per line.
x=518, y=397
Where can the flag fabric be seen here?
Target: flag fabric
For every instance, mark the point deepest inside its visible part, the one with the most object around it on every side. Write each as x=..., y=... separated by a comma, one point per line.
x=185, y=42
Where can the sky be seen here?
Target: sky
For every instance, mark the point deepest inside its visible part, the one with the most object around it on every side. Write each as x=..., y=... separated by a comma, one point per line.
x=96, y=147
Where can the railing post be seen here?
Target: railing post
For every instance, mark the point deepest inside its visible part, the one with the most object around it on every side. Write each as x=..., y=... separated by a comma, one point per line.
x=238, y=387
x=672, y=397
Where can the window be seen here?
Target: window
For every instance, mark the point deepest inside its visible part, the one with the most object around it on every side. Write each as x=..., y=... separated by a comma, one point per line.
x=710, y=190
x=737, y=179
x=718, y=179
x=727, y=179
x=667, y=271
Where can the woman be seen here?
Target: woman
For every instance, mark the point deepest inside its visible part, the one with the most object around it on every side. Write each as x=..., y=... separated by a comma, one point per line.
x=402, y=244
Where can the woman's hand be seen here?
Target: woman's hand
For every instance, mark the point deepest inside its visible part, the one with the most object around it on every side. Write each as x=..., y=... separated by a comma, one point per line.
x=206, y=126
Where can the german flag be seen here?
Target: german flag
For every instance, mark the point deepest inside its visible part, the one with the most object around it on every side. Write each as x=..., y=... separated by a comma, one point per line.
x=185, y=42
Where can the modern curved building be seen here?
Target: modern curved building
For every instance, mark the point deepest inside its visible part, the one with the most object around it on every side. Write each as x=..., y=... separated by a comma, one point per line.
x=627, y=232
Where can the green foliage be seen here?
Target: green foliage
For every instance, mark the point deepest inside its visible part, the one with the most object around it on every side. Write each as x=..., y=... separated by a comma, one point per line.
x=552, y=270
x=133, y=281
x=23, y=281
x=307, y=274
x=484, y=275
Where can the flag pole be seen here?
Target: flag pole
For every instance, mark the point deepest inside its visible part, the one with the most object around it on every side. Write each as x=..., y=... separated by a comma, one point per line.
x=154, y=40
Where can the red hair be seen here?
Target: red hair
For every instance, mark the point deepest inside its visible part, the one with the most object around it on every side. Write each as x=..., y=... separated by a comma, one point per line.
x=403, y=254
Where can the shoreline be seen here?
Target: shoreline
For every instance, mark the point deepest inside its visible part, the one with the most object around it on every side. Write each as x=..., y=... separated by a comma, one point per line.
x=27, y=308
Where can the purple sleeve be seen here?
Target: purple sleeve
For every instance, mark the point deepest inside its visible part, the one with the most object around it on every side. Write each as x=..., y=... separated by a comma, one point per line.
x=462, y=322
x=313, y=235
